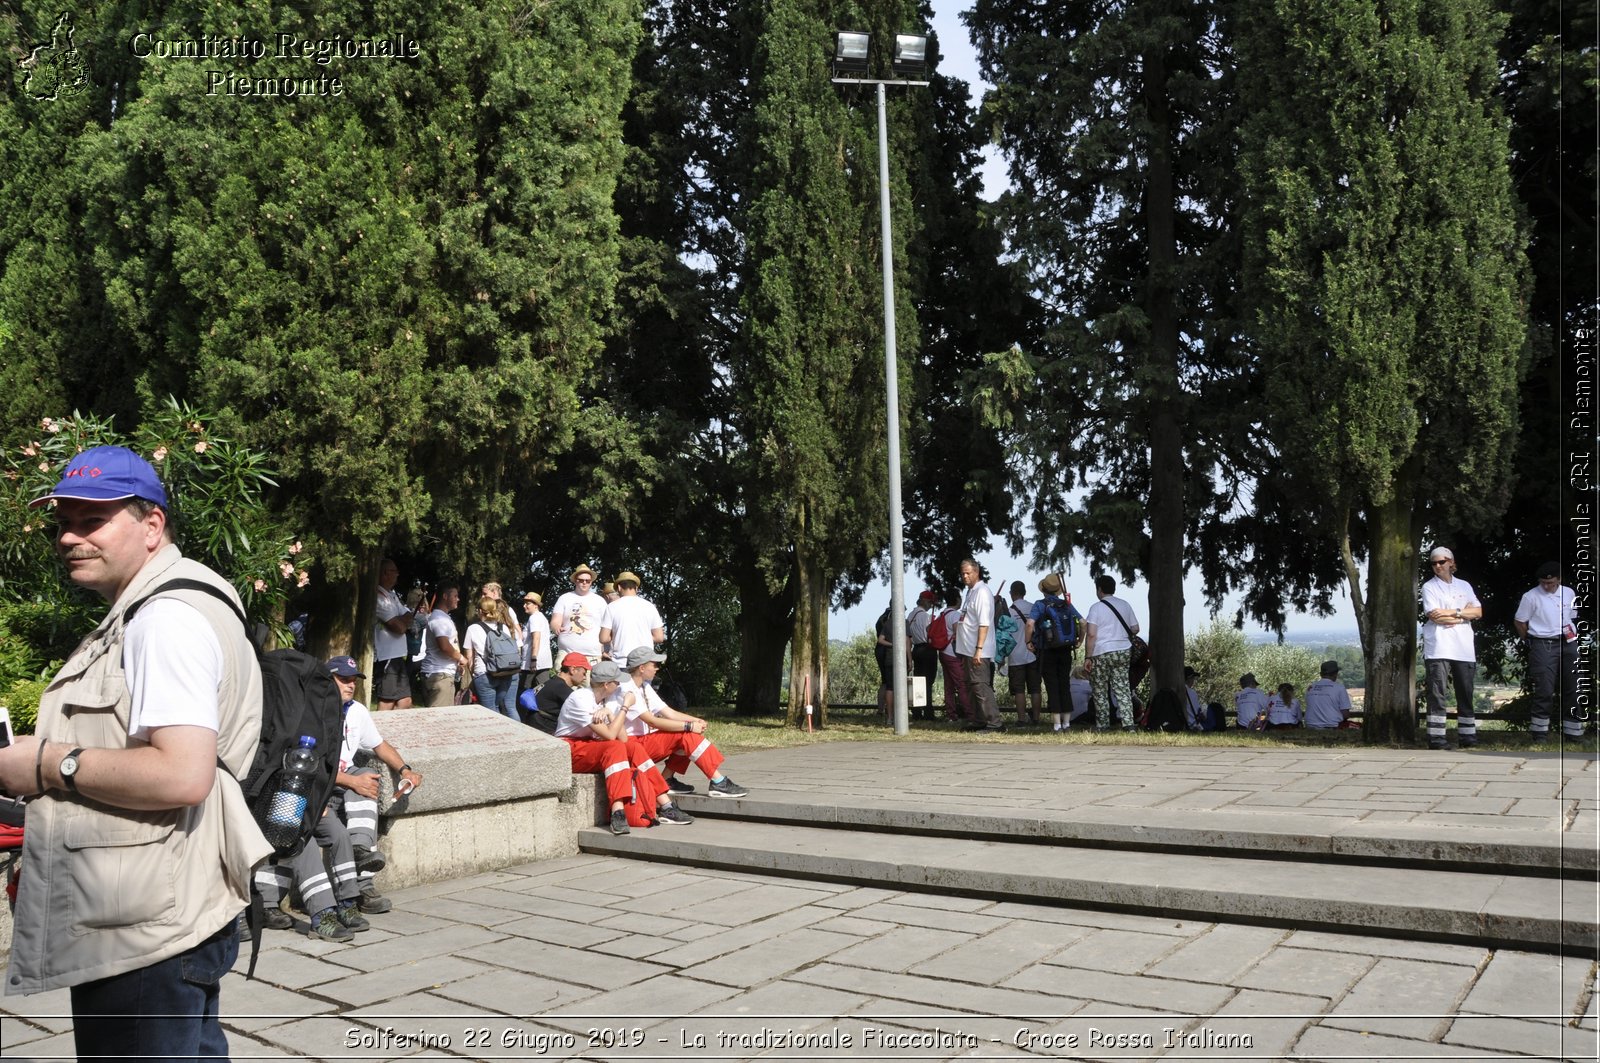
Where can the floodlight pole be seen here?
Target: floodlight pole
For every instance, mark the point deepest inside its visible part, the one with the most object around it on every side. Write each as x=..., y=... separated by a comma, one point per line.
x=891, y=375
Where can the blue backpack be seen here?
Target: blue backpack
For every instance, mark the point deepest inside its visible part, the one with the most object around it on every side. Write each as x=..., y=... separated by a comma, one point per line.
x=1057, y=628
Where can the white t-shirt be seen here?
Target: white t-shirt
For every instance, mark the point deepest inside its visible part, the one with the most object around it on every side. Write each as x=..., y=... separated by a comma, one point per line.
x=537, y=624
x=578, y=712
x=977, y=611
x=1021, y=609
x=440, y=626
x=583, y=613
x=1280, y=712
x=1547, y=615
x=1327, y=702
x=173, y=664
x=1453, y=643
x=359, y=733
x=385, y=644
x=1109, y=635
x=1249, y=705
x=478, y=642
x=632, y=620
x=645, y=700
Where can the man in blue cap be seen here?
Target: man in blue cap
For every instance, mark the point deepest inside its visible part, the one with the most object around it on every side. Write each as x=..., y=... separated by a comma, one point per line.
x=139, y=845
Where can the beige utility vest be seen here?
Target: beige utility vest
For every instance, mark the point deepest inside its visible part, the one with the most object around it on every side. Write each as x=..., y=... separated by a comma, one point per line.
x=106, y=890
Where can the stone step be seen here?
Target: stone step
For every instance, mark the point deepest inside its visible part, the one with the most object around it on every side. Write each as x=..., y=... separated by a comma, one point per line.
x=1285, y=835
x=1481, y=908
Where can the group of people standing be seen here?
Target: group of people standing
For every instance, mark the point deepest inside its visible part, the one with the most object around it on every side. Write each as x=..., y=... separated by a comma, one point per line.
x=601, y=700
x=974, y=625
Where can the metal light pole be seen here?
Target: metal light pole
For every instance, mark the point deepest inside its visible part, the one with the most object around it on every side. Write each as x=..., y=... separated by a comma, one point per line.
x=910, y=55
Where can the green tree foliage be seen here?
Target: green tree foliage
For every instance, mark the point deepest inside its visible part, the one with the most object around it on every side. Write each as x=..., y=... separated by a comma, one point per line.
x=1116, y=121
x=808, y=373
x=398, y=290
x=1385, y=271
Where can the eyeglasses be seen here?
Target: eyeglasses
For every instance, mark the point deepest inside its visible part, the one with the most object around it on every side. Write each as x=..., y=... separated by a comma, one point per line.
x=1442, y=561
x=584, y=579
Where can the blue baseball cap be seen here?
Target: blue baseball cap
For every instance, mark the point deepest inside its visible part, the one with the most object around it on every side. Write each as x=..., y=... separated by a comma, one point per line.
x=107, y=474
x=345, y=668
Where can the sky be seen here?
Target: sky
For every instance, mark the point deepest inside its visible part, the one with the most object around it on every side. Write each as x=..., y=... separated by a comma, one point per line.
x=958, y=60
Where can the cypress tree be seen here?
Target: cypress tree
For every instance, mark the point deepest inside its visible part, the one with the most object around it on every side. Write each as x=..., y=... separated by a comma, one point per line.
x=1386, y=273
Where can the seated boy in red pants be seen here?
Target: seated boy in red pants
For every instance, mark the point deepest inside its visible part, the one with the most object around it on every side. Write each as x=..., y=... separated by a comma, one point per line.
x=591, y=723
x=665, y=732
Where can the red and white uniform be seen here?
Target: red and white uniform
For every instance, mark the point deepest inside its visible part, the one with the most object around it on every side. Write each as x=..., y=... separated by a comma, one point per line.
x=680, y=748
x=629, y=770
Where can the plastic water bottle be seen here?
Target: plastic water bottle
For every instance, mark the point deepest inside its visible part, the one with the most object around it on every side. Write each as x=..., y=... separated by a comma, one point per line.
x=288, y=806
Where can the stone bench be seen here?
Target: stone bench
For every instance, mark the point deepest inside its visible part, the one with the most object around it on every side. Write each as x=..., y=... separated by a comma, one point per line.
x=494, y=793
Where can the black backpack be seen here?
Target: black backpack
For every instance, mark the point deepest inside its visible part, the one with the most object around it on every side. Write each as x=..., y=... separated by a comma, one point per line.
x=297, y=698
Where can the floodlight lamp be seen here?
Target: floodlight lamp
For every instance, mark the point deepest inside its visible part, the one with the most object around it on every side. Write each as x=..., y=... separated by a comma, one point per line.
x=910, y=54
x=850, y=52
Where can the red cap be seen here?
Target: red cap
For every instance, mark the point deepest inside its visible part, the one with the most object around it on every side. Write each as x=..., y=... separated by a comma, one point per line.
x=574, y=660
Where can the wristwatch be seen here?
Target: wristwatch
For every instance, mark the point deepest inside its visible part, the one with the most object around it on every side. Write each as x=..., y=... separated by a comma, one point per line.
x=69, y=769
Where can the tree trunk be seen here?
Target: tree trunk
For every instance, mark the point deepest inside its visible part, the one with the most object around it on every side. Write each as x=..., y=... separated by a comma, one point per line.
x=809, y=647
x=1165, y=567
x=1390, y=712
x=765, y=622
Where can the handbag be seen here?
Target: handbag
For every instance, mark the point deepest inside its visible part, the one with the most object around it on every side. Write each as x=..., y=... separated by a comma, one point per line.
x=1138, y=653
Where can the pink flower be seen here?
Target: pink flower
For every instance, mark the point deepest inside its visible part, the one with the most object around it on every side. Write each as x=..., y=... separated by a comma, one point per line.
x=261, y=586
x=200, y=447
x=27, y=528
x=295, y=548
x=31, y=450
x=160, y=454
x=44, y=466
x=285, y=568
x=49, y=426
x=196, y=426
x=302, y=578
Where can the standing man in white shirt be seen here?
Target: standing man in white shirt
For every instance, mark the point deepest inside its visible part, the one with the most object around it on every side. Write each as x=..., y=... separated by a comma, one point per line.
x=1547, y=617
x=974, y=643
x=1108, y=643
x=577, y=617
x=630, y=622
x=442, y=660
x=391, y=679
x=1449, y=653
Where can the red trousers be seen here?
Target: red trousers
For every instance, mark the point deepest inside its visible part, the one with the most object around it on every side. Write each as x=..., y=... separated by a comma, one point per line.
x=629, y=771
x=680, y=748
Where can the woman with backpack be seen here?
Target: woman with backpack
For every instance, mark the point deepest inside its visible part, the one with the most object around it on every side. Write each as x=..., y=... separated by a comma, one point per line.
x=494, y=657
x=1053, y=627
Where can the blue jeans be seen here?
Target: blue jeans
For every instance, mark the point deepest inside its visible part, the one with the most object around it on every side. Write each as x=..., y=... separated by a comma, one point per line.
x=497, y=695
x=167, y=1010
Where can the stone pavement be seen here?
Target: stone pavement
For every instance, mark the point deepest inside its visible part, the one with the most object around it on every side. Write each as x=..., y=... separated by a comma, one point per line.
x=599, y=958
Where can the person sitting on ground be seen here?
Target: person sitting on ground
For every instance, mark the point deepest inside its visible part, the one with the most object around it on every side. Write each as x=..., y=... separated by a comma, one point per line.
x=1082, y=695
x=541, y=708
x=593, y=722
x=1327, y=701
x=666, y=732
x=1194, y=706
x=1250, y=704
x=1284, y=709
x=355, y=798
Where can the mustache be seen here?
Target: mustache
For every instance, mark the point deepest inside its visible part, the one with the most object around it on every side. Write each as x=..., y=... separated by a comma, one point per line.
x=80, y=553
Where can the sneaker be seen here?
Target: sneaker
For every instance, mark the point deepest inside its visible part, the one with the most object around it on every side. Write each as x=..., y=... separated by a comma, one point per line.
x=277, y=919
x=619, y=822
x=972, y=727
x=726, y=787
x=678, y=786
x=1539, y=737
x=673, y=815
x=1438, y=743
x=325, y=925
x=372, y=902
x=369, y=859
x=350, y=917
x=1466, y=743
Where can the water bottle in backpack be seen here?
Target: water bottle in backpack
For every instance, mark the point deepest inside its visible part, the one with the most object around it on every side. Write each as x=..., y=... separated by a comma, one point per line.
x=288, y=807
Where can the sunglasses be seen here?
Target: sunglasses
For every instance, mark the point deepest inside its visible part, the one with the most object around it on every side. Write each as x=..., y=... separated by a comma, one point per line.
x=1442, y=561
